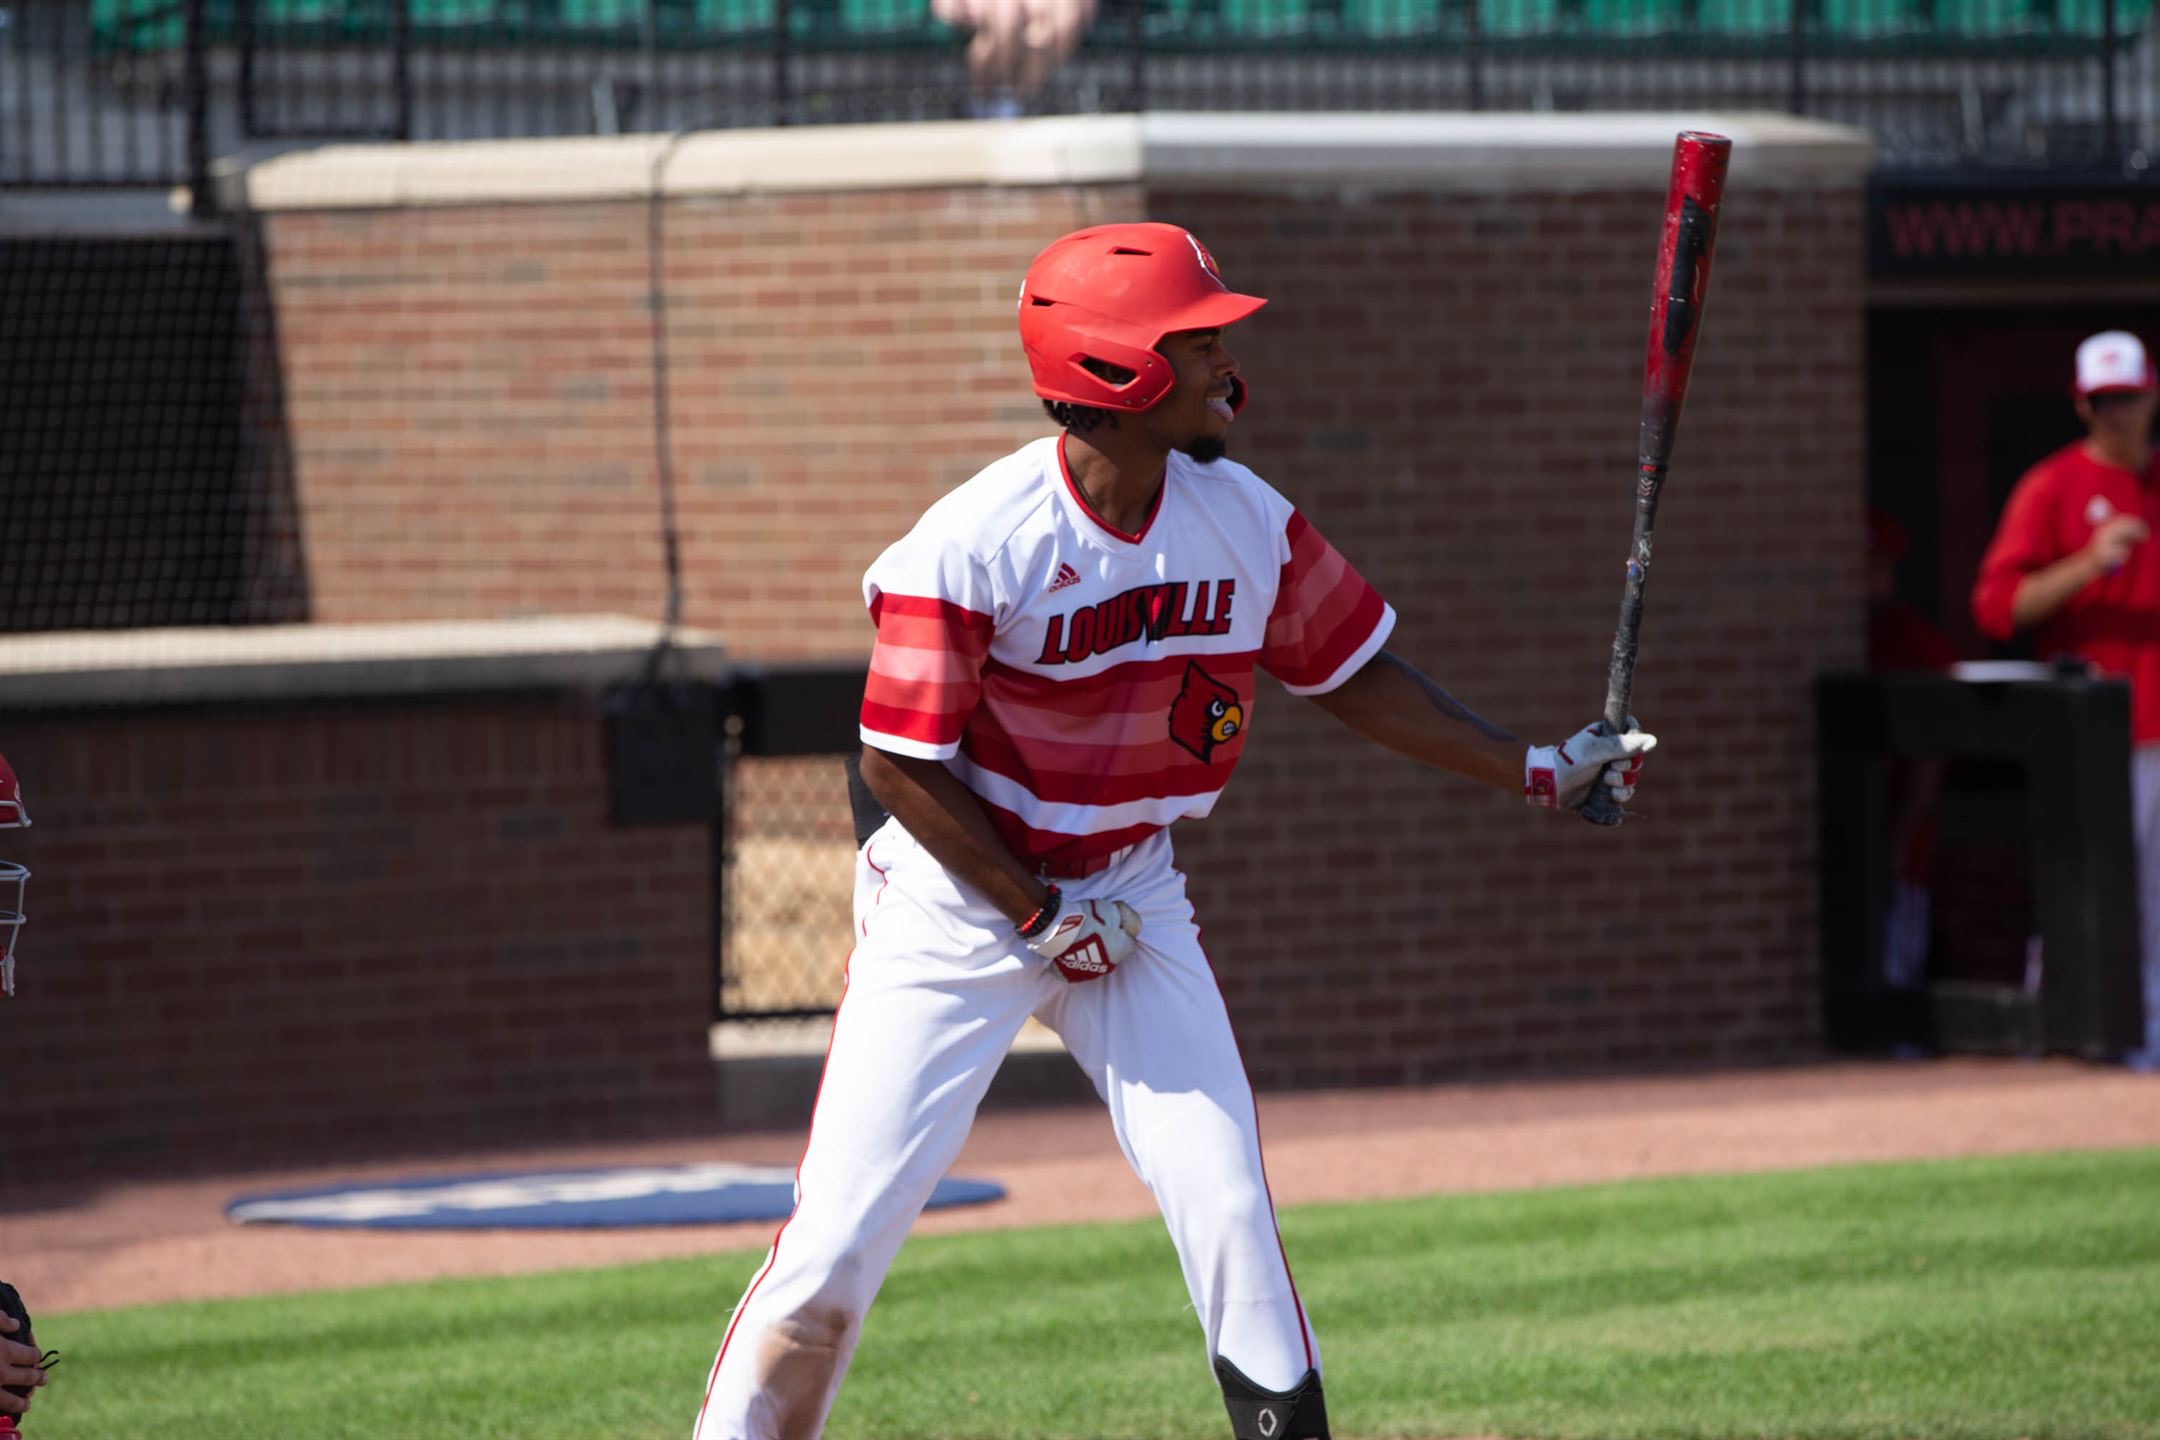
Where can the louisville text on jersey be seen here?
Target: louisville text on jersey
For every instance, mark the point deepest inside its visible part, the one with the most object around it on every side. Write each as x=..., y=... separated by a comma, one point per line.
x=1146, y=612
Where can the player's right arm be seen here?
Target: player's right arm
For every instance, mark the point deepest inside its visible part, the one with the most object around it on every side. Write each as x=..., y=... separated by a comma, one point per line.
x=936, y=607
x=2025, y=579
x=2045, y=591
x=944, y=818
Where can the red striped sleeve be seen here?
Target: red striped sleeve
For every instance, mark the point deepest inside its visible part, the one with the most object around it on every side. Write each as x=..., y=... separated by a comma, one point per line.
x=1325, y=613
x=916, y=618
x=925, y=674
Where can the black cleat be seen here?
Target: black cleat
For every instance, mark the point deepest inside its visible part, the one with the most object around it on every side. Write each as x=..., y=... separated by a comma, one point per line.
x=1299, y=1413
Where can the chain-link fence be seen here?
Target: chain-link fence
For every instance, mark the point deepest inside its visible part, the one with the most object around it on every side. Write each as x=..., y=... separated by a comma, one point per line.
x=789, y=887
x=143, y=474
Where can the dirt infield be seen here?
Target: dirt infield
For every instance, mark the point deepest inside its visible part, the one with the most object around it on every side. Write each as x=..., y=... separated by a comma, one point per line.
x=146, y=1242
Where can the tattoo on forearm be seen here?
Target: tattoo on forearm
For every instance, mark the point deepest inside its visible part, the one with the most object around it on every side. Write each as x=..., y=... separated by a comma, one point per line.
x=1445, y=703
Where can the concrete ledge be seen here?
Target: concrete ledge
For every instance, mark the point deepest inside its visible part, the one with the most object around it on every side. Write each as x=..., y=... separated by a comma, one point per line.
x=768, y=1071
x=1077, y=151
x=313, y=662
x=806, y=1038
x=777, y=1092
x=1584, y=151
x=1270, y=151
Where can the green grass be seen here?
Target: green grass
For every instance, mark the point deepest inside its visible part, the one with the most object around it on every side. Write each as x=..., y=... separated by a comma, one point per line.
x=1965, y=1300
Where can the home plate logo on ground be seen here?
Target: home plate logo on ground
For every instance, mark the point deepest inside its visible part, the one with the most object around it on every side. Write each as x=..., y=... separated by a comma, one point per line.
x=715, y=1194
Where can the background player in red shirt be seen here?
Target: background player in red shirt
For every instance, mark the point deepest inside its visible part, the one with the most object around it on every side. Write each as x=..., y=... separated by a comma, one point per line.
x=2070, y=564
x=1067, y=647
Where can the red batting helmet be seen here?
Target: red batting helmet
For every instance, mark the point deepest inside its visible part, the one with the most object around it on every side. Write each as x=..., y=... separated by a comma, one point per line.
x=1110, y=294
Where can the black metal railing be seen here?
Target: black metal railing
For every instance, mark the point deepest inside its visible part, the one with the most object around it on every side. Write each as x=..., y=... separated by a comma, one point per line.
x=76, y=112
x=117, y=92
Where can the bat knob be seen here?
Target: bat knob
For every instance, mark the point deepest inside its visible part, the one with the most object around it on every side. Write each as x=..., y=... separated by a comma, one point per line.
x=1601, y=809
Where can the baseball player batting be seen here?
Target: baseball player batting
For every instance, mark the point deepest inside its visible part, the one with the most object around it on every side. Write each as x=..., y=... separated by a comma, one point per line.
x=1066, y=657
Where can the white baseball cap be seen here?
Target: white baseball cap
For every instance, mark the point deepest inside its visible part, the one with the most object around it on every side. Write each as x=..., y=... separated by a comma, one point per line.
x=2113, y=360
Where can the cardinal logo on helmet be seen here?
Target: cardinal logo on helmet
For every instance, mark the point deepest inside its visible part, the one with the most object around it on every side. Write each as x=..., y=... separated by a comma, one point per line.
x=1207, y=261
x=1206, y=713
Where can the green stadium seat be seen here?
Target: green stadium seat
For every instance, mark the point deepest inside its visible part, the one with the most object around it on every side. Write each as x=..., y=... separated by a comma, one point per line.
x=115, y=24
x=733, y=19
x=1869, y=19
x=2083, y=17
x=883, y=17
x=1748, y=19
x=1989, y=19
x=1513, y=20
x=1160, y=21
x=1389, y=20
x=135, y=25
x=1985, y=19
x=1195, y=24
x=1624, y=19
x=883, y=23
x=1265, y=20
x=456, y=14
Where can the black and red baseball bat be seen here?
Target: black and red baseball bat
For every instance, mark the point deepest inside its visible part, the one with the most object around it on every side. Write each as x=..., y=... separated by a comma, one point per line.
x=1692, y=200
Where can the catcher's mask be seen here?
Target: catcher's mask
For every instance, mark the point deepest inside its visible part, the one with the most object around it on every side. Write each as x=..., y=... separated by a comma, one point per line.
x=1108, y=295
x=14, y=878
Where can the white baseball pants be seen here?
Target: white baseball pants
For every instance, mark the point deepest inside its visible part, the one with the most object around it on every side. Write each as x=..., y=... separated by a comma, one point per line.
x=937, y=988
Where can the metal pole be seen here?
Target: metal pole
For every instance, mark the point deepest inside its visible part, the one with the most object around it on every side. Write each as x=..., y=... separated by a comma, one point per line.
x=1136, y=49
x=1474, y=57
x=2108, y=132
x=401, y=67
x=780, y=86
x=649, y=61
x=245, y=20
x=1796, y=101
x=195, y=83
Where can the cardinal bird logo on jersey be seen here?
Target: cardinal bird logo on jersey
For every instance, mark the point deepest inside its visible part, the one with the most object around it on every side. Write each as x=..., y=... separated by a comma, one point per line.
x=1206, y=712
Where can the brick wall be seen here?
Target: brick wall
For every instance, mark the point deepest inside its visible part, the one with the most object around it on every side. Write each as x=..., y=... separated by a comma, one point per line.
x=1449, y=385
x=470, y=394
x=1447, y=382
x=294, y=934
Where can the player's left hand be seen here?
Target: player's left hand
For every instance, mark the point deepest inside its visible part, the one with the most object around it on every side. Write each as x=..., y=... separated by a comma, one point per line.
x=1089, y=938
x=1559, y=777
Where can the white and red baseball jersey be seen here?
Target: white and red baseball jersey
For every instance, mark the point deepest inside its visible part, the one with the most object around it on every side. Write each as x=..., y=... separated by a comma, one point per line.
x=1089, y=686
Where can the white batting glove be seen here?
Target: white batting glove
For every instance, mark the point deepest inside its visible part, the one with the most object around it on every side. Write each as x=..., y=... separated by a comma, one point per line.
x=1087, y=939
x=1559, y=777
